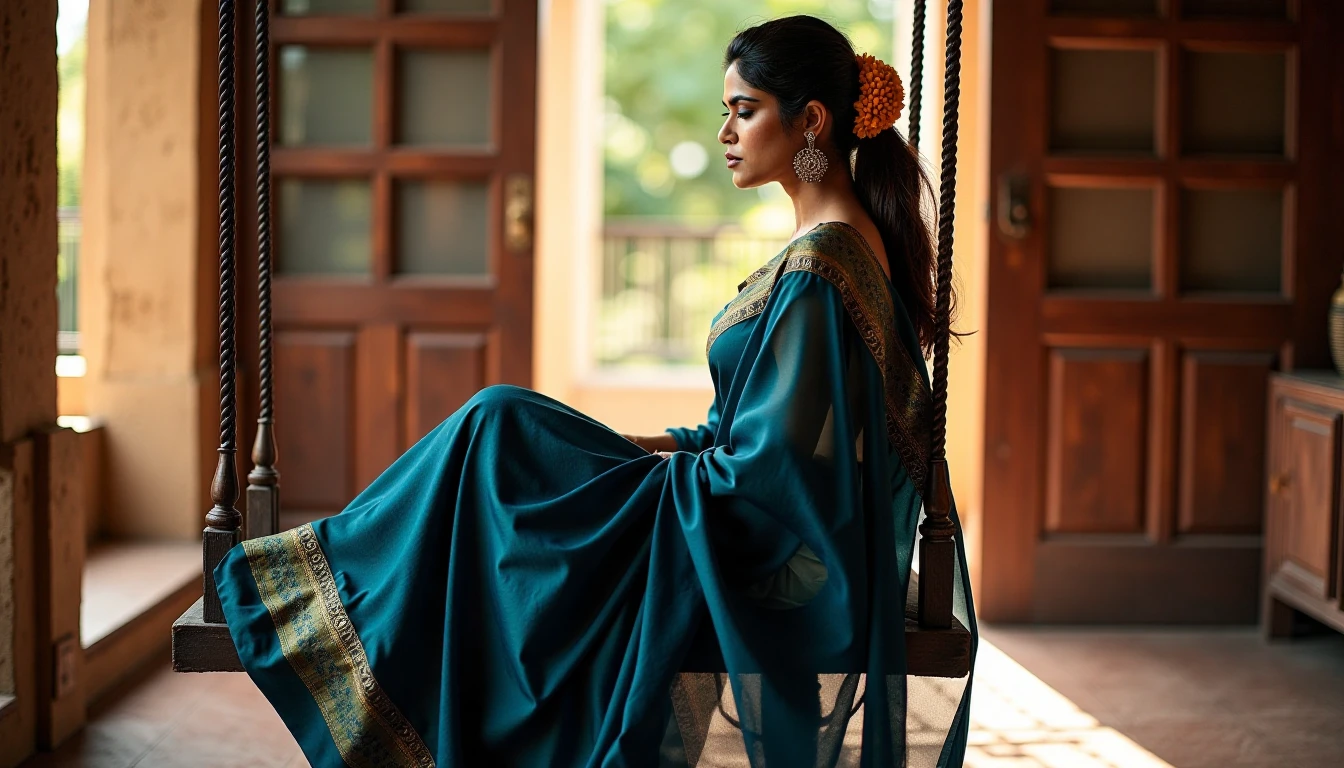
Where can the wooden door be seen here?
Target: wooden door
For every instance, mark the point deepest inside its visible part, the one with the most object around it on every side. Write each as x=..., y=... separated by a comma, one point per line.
x=1163, y=242
x=403, y=153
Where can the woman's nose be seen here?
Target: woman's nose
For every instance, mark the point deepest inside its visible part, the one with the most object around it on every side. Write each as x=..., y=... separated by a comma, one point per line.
x=725, y=135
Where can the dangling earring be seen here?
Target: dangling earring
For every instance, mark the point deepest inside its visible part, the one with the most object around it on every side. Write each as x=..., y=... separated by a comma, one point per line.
x=810, y=163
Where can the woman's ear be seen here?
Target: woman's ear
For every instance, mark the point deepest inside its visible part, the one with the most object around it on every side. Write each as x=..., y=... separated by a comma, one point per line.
x=817, y=119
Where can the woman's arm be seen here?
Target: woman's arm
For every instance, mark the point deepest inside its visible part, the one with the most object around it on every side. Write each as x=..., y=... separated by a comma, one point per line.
x=652, y=443
x=693, y=439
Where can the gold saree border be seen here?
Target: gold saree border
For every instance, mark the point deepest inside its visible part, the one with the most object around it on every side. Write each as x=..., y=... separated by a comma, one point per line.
x=295, y=582
x=837, y=252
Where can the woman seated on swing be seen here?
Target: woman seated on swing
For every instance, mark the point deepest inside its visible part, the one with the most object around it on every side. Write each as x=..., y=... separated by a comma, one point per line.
x=524, y=585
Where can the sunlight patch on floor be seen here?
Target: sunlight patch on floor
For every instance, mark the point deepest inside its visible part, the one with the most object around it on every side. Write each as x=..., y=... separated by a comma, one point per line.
x=1017, y=721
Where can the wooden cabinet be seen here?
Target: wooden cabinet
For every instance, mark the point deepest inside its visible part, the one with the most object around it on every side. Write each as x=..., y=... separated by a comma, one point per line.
x=1304, y=536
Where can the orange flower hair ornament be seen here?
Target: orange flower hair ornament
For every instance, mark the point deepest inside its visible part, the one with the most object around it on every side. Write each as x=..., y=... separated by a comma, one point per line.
x=881, y=97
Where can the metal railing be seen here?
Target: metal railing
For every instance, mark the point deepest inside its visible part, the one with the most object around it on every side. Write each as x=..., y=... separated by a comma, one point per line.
x=67, y=280
x=663, y=283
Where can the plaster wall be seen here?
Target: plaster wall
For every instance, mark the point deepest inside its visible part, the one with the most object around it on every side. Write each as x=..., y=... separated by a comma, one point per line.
x=138, y=270
x=28, y=87
x=27, y=217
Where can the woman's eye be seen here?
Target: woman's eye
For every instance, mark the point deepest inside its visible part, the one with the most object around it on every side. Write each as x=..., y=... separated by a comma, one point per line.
x=744, y=114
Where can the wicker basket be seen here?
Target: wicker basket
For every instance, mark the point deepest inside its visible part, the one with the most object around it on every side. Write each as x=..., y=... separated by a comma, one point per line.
x=1336, y=330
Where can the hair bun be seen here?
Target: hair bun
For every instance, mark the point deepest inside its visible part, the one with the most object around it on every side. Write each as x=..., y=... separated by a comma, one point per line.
x=881, y=97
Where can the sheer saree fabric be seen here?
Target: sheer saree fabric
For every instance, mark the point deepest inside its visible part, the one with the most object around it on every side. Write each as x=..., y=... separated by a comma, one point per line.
x=525, y=587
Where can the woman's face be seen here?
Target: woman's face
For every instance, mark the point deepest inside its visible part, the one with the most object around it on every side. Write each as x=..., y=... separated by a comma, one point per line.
x=758, y=149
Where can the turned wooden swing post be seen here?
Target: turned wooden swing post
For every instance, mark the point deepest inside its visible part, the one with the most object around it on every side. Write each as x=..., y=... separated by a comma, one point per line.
x=201, y=642
x=223, y=521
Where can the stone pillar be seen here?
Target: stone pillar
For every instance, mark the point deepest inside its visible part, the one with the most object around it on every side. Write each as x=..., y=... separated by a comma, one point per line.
x=139, y=293
x=28, y=87
x=27, y=217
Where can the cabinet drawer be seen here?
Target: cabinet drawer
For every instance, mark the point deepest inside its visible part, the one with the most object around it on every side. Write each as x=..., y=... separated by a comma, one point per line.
x=1305, y=498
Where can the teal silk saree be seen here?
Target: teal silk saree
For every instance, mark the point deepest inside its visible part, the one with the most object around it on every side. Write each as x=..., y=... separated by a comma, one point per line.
x=526, y=587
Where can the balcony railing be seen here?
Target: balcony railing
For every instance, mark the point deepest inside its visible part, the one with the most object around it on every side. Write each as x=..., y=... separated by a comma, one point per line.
x=67, y=280
x=663, y=283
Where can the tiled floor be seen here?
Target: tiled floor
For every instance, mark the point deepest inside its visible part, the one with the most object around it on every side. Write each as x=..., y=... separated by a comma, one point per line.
x=168, y=720
x=1093, y=699
x=1196, y=699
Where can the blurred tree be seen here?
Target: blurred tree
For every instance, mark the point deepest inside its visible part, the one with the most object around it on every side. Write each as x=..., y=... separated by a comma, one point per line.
x=71, y=50
x=664, y=84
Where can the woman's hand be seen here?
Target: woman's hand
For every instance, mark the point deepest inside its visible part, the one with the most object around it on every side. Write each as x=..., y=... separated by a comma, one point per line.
x=664, y=454
x=654, y=443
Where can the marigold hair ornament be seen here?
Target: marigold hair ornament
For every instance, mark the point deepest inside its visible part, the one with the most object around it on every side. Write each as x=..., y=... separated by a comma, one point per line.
x=881, y=97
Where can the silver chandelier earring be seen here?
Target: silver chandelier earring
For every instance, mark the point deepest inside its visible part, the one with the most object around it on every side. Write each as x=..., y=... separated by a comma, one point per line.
x=810, y=163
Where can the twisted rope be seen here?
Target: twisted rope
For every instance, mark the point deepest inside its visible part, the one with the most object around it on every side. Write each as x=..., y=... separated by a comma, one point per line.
x=224, y=488
x=946, y=204
x=916, y=89
x=264, y=208
x=227, y=353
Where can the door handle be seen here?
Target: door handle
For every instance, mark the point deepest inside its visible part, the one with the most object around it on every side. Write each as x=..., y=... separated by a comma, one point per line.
x=1278, y=483
x=518, y=212
x=1014, y=205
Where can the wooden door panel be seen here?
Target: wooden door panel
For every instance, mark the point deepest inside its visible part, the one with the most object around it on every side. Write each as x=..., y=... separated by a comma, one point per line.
x=1174, y=251
x=403, y=147
x=443, y=371
x=314, y=389
x=1133, y=582
x=1222, y=463
x=1096, y=441
x=378, y=400
x=1313, y=492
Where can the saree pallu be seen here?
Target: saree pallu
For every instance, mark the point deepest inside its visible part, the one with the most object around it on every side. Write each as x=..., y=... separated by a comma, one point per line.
x=526, y=587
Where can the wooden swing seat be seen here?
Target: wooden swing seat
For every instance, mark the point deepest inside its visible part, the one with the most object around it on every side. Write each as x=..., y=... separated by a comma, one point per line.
x=202, y=646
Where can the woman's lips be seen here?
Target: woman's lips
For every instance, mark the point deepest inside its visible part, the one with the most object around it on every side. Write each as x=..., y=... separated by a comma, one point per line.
x=733, y=160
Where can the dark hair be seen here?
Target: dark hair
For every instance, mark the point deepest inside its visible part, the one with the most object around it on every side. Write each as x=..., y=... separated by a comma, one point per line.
x=800, y=58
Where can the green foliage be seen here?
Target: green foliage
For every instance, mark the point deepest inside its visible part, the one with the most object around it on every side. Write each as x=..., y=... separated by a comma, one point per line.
x=664, y=84
x=70, y=123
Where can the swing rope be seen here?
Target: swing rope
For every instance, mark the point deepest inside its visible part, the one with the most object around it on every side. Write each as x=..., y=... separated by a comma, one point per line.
x=224, y=516
x=946, y=212
x=937, y=550
x=263, y=490
x=916, y=71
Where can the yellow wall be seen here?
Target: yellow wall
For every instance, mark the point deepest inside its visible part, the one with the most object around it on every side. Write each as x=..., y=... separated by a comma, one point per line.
x=569, y=227
x=138, y=261
x=970, y=256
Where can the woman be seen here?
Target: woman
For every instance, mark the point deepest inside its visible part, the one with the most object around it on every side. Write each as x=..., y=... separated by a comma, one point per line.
x=523, y=586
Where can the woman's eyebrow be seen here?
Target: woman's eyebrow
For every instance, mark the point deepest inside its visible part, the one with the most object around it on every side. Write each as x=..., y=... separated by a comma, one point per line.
x=733, y=101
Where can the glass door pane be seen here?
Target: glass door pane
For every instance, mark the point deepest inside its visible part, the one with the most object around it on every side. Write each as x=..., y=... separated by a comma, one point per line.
x=328, y=7
x=1101, y=238
x=1103, y=101
x=324, y=227
x=326, y=96
x=443, y=97
x=445, y=6
x=1235, y=9
x=1233, y=240
x=442, y=228
x=1105, y=7
x=1235, y=103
